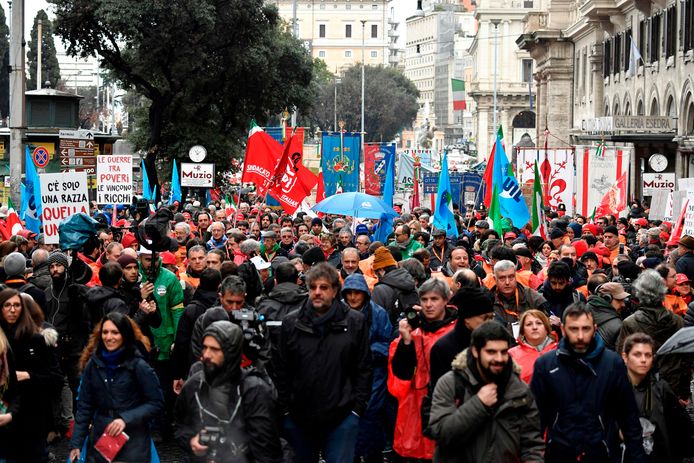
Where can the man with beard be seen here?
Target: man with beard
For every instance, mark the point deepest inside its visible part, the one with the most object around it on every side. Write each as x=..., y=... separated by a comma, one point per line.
x=584, y=397
x=481, y=410
x=324, y=339
x=67, y=312
x=182, y=234
x=141, y=306
x=213, y=396
x=439, y=249
x=557, y=289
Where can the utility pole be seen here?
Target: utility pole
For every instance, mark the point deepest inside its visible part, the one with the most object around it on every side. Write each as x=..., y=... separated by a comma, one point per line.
x=17, y=105
x=39, y=50
x=495, y=22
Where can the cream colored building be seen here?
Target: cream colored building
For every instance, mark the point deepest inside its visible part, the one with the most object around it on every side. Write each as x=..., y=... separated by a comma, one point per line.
x=339, y=31
x=513, y=74
x=583, y=51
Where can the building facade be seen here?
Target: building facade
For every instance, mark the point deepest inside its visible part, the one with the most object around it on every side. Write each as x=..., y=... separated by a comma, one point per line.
x=340, y=31
x=500, y=22
x=647, y=104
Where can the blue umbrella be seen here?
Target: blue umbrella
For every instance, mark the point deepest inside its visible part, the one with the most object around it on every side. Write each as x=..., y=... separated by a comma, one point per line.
x=356, y=205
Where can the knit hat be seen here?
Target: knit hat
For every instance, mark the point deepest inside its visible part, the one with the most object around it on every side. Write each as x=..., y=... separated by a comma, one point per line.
x=313, y=256
x=472, y=302
x=641, y=222
x=590, y=255
x=126, y=259
x=58, y=257
x=524, y=252
x=612, y=229
x=15, y=264
x=650, y=262
x=128, y=240
x=362, y=229
x=592, y=228
x=383, y=258
x=580, y=246
x=167, y=258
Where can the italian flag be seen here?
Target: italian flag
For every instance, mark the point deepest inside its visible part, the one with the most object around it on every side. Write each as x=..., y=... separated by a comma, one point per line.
x=231, y=205
x=338, y=188
x=458, y=94
x=495, y=211
x=13, y=225
x=539, y=226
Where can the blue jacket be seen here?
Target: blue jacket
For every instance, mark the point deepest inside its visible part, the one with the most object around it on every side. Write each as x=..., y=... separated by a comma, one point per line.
x=380, y=328
x=583, y=402
x=132, y=394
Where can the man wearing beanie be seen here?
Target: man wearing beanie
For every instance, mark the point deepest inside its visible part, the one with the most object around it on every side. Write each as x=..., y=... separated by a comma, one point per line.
x=610, y=239
x=104, y=299
x=395, y=289
x=205, y=296
x=141, y=307
x=67, y=312
x=312, y=257
x=15, y=270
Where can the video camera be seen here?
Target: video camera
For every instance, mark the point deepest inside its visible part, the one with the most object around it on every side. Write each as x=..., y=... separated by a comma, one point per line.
x=251, y=323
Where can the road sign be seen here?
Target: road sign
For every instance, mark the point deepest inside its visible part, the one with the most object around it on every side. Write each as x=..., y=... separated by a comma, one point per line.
x=77, y=161
x=80, y=134
x=2, y=147
x=41, y=156
x=430, y=182
x=88, y=170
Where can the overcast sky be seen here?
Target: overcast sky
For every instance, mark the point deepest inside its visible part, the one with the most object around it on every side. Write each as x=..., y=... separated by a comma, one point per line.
x=31, y=7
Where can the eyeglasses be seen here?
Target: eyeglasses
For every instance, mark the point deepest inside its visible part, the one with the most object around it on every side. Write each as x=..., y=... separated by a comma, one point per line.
x=12, y=305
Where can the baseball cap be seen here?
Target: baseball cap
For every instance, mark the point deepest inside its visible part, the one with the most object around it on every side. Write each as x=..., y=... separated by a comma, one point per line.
x=681, y=279
x=615, y=290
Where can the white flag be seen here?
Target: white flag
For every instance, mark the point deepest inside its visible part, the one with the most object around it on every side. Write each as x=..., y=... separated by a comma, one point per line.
x=634, y=56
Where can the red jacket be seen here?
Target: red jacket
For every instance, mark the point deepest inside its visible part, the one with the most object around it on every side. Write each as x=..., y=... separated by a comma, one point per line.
x=525, y=355
x=408, y=440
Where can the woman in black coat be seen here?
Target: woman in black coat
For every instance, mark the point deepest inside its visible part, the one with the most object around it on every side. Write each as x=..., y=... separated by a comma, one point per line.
x=38, y=378
x=119, y=391
x=9, y=399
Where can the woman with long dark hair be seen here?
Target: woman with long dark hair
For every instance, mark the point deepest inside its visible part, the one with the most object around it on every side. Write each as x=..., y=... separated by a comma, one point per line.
x=119, y=391
x=38, y=375
x=9, y=403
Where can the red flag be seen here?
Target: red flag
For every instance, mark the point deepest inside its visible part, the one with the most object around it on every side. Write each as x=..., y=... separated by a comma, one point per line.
x=372, y=181
x=262, y=155
x=488, y=176
x=546, y=171
x=292, y=180
x=679, y=224
x=615, y=199
x=13, y=225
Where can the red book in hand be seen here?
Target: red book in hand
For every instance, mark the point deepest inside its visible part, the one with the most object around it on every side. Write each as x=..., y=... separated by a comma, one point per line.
x=109, y=446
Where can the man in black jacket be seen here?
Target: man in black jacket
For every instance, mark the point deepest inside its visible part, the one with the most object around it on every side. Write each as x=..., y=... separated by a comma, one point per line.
x=322, y=366
x=222, y=400
x=105, y=299
x=584, y=397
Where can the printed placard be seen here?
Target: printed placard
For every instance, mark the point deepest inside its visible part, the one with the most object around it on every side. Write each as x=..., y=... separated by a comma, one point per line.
x=62, y=195
x=114, y=179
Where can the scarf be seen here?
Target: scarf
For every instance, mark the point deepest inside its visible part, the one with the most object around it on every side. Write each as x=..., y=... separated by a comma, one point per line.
x=540, y=347
x=112, y=360
x=321, y=322
x=267, y=252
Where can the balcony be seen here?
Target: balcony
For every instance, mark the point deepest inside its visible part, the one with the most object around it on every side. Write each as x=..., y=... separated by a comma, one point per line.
x=393, y=34
x=599, y=8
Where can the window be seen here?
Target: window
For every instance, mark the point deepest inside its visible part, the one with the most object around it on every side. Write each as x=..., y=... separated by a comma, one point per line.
x=607, y=58
x=626, y=53
x=348, y=6
x=374, y=7
x=374, y=31
x=321, y=31
x=688, y=24
x=348, y=53
x=348, y=31
x=374, y=54
x=617, y=57
x=654, y=39
x=419, y=49
x=527, y=3
x=527, y=70
x=670, y=31
x=643, y=34
x=321, y=54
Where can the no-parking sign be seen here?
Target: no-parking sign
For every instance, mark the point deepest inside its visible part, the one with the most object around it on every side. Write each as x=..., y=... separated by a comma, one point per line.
x=41, y=156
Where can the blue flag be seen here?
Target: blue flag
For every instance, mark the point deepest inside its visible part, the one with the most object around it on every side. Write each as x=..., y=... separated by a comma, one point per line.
x=147, y=191
x=340, y=161
x=444, y=219
x=32, y=210
x=385, y=225
x=175, y=193
x=511, y=202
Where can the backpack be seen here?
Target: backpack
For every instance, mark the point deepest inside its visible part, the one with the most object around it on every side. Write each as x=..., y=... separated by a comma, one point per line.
x=425, y=409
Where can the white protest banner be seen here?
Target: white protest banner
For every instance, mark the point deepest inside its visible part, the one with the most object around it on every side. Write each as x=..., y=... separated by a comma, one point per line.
x=659, y=205
x=114, y=179
x=62, y=195
x=688, y=222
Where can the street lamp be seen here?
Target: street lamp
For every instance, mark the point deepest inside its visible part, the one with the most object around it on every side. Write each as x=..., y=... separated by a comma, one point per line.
x=338, y=81
x=495, y=22
x=363, y=37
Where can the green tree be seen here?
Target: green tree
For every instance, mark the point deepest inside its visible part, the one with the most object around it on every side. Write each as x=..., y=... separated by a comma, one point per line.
x=4, y=66
x=50, y=70
x=390, y=102
x=206, y=67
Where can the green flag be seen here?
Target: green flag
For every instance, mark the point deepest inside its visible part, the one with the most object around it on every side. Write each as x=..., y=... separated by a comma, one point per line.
x=495, y=212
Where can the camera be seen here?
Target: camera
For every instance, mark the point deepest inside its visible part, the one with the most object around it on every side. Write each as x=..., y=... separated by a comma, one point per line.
x=413, y=317
x=250, y=322
x=214, y=438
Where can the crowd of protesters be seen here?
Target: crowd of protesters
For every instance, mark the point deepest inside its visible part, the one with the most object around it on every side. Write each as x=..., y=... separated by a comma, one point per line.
x=257, y=336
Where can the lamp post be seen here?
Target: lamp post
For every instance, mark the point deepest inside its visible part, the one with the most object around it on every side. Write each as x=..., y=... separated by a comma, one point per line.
x=363, y=36
x=495, y=22
x=338, y=81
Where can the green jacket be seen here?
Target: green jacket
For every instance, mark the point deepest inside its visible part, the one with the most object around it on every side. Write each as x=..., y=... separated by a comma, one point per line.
x=168, y=293
x=409, y=249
